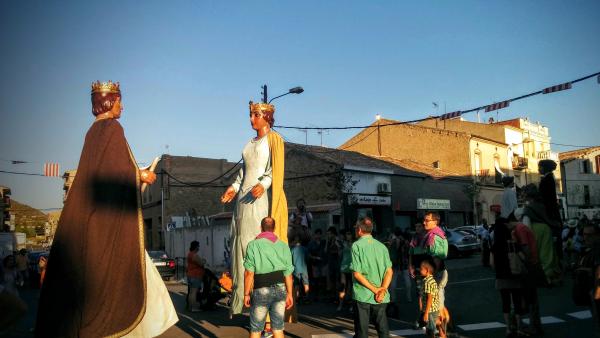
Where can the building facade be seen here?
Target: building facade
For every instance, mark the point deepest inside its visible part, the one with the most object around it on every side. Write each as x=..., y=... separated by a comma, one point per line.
x=182, y=189
x=527, y=142
x=463, y=155
x=581, y=182
x=6, y=220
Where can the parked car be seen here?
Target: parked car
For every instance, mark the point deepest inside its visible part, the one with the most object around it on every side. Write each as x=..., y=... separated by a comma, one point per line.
x=164, y=264
x=476, y=229
x=461, y=242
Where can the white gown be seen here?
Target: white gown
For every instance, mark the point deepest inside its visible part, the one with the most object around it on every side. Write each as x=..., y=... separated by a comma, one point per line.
x=248, y=212
x=160, y=312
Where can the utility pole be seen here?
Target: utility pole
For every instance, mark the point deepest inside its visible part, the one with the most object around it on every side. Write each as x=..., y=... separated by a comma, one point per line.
x=265, y=95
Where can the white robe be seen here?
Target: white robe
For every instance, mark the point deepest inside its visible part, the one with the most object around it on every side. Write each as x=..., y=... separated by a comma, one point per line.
x=248, y=212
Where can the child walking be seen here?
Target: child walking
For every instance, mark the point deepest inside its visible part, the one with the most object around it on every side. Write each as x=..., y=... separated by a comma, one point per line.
x=429, y=303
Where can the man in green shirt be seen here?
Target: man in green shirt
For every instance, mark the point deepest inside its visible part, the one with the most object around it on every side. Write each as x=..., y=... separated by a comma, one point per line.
x=372, y=272
x=268, y=285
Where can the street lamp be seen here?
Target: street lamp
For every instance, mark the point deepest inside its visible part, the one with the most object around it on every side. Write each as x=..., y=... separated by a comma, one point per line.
x=295, y=90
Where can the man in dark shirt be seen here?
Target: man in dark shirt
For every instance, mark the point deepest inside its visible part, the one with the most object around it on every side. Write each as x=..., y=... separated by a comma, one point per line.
x=318, y=262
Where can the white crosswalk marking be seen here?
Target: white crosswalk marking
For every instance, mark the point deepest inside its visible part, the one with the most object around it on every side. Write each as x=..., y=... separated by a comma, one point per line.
x=546, y=320
x=465, y=327
x=408, y=332
x=481, y=326
x=348, y=334
x=581, y=314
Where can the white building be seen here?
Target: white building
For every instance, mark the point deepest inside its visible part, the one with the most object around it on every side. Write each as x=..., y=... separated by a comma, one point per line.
x=581, y=182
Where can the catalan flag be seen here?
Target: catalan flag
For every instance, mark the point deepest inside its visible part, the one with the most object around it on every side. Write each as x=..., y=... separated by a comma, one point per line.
x=51, y=169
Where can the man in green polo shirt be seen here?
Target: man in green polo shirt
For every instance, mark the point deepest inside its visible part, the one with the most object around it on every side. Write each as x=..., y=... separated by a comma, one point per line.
x=268, y=285
x=372, y=272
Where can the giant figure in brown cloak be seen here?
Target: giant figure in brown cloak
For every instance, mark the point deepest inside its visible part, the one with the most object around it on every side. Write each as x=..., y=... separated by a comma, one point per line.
x=96, y=280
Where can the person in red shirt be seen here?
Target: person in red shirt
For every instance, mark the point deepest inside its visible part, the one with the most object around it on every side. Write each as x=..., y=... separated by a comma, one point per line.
x=525, y=239
x=195, y=273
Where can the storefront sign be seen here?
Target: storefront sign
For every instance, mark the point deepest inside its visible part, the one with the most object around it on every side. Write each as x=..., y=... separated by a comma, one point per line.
x=433, y=204
x=369, y=199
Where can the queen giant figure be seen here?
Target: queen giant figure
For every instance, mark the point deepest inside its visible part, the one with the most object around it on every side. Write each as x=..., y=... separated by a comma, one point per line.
x=262, y=169
x=100, y=281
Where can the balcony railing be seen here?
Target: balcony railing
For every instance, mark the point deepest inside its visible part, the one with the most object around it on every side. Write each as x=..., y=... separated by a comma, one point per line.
x=547, y=155
x=482, y=172
x=520, y=163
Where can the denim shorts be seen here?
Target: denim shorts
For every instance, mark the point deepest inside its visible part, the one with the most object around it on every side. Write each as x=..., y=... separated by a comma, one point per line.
x=433, y=316
x=269, y=299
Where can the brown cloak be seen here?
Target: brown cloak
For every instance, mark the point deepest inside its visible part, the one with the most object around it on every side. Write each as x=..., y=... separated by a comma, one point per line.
x=95, y=284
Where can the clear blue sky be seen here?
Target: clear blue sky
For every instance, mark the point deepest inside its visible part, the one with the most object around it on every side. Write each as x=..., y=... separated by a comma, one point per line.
x=188, y=68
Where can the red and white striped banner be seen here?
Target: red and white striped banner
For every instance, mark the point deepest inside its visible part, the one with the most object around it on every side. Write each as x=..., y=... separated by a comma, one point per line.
x=452, y=115
x=496, y=106
x=51, y=169
x=557, y=88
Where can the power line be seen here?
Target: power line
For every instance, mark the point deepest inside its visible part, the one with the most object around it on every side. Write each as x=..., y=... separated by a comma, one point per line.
x=462, y=112
x=29, y=174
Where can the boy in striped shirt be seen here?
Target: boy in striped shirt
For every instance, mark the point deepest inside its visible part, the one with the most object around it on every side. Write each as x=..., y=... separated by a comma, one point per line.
x=429, y=303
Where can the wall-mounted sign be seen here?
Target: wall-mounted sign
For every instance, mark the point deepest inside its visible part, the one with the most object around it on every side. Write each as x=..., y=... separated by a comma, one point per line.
x=433, y=204
x=369, y=199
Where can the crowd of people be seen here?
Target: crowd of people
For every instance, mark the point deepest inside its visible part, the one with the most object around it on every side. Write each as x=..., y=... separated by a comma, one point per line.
x=353, y=269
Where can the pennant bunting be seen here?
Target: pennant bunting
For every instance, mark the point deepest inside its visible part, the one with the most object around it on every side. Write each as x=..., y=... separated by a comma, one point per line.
x=496, y=106
x=557, y=88
x=51, y=170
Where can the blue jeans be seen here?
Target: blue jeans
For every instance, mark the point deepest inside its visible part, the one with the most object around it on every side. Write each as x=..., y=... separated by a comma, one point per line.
x=269, y=299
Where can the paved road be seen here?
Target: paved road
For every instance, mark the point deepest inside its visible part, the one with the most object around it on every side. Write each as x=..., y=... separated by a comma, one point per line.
x=470, y=296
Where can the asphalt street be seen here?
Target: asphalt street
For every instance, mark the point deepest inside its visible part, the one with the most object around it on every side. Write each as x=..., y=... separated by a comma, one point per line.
x=470, y=296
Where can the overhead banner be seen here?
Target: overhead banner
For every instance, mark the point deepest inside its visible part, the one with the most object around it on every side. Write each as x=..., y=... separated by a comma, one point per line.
x=433, y=204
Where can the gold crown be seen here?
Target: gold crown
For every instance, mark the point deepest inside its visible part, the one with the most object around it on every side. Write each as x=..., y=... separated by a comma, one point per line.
x=261, y=108
x=106, y=87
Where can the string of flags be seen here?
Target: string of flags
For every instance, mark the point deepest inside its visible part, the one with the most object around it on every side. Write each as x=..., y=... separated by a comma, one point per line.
x=52, y=169
x=488, y=108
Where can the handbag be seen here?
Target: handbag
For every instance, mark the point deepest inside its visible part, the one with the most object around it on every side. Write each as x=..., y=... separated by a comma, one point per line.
x=516, y=260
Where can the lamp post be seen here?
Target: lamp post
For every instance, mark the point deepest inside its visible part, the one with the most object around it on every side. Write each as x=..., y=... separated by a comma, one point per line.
x=295, y=90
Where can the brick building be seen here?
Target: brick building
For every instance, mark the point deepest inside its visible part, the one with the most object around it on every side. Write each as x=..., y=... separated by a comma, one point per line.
x=462, y=154
x=338, y=187
x=527, y=143
x=178, y=191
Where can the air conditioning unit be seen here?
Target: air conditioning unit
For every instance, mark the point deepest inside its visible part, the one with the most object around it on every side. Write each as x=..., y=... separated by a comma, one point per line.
x=383, y=188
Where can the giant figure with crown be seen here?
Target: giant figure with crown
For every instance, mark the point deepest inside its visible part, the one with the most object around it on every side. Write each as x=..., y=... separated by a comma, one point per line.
x=100, y=281
x=263, y=169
